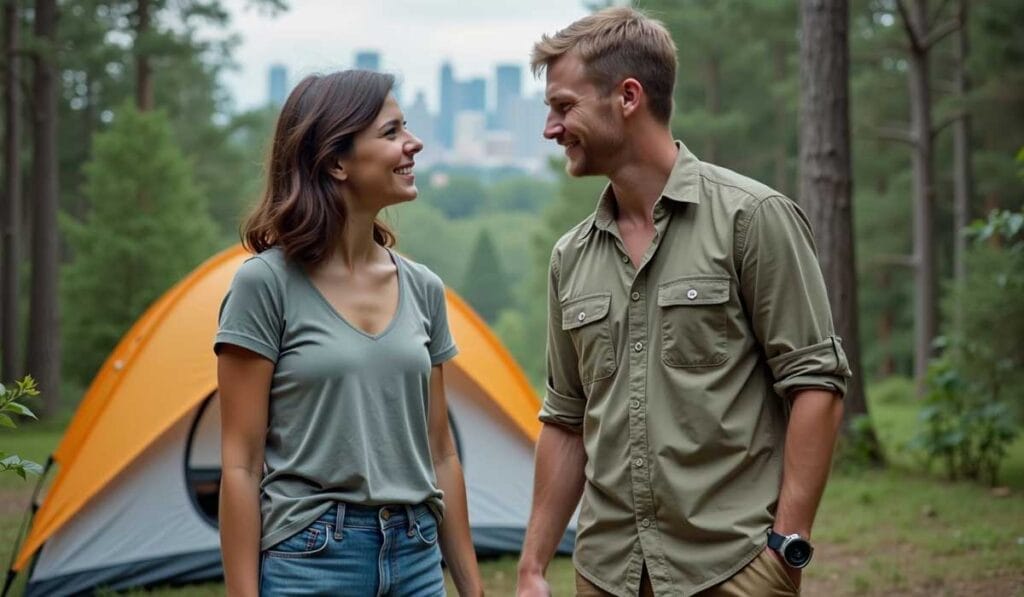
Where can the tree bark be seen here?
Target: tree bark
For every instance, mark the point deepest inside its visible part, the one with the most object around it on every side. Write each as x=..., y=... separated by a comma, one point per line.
x=10, y=293
x=782, y=124
x=826, y=177
x=44, y=358
x=143, y=67
x=916, y=23
x=963, y=183
x=713, y=103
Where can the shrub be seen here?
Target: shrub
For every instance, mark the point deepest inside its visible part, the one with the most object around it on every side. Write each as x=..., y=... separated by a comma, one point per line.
x=10, y=405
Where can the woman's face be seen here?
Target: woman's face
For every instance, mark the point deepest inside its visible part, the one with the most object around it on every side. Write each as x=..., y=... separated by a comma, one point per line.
x=378, y=172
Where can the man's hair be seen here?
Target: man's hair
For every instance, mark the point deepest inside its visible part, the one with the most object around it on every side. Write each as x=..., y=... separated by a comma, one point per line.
x=614, y=44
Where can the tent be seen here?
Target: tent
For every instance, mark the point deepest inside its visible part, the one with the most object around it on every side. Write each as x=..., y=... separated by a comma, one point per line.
x=134, y=500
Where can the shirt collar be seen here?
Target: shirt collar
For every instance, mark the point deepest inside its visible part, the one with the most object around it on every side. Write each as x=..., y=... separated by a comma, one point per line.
x=683, y=186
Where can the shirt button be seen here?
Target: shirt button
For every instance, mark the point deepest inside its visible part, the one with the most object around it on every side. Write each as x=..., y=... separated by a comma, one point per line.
x=635, y=296
x=634, y=403
x=638, y=346
x=625, y=259
x=691, y=294
x=581, y=316
x=645, y=523
x=638, y=462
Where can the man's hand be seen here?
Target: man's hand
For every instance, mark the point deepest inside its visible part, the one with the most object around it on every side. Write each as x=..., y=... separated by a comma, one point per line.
x=532, y=584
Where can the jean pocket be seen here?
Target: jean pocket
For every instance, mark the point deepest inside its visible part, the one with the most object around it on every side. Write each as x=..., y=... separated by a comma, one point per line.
x=694, y=315
x=306, y=543
x=425, y=530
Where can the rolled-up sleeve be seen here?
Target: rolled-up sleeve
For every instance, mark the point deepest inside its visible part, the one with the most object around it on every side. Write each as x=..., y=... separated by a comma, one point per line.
x=782, y=286
x=564, y=399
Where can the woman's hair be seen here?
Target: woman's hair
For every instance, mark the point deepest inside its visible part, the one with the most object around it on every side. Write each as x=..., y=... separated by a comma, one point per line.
x=301, y=209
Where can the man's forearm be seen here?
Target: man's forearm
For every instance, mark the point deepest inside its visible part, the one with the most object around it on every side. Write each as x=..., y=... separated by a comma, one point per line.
x=557, y=486
x=810, y=440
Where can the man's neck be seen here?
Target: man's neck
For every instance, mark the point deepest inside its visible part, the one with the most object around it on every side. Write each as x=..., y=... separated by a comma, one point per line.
x=642, y=174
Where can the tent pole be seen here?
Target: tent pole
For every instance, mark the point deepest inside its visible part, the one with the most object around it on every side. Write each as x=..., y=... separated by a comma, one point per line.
x=30, y=513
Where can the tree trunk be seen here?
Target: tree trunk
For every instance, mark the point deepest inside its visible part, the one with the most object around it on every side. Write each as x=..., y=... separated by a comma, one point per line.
x=713, y=103
x=143, y=68
x=924, y=192
x=963, y=182
x=782, y=124
x=826, y=177
x=44, y=315
x=10, y=338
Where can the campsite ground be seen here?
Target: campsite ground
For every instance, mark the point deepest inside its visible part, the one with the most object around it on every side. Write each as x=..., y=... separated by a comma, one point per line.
x=898, y=531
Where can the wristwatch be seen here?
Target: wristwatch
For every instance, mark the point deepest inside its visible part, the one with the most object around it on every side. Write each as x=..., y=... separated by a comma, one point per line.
x=794, y=549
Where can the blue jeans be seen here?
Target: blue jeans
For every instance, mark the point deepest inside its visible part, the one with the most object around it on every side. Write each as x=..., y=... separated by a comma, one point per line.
x=358, y=551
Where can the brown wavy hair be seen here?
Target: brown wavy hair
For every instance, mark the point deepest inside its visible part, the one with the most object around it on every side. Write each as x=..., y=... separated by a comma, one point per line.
x=301, y=209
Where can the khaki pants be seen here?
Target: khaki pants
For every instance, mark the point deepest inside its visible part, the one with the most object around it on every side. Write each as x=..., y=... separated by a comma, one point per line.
x=765, y=576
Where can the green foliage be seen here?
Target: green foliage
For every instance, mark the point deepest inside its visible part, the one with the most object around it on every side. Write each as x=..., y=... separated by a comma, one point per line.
x=485, y=285
x=10, y=406
x=892, y=390
x=148, y=226
x=968, y=432
x=858, y=447
x=976, y=389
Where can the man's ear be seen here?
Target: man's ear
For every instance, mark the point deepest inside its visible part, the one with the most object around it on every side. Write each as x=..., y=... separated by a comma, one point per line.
x=338, y=172
x=631, y=93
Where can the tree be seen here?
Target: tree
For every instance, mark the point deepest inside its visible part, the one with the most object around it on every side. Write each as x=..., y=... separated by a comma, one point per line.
x=10, y=214
x=44, y=346
x=485, y=285
x=826, y=174
x=922, y=36
x=147, y=227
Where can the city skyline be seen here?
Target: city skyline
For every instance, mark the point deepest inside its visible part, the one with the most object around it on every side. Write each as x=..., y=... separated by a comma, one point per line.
x=479, y=121
x=413, y=37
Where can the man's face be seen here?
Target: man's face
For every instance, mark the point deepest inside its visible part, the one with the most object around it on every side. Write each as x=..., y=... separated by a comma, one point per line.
x=581, y=118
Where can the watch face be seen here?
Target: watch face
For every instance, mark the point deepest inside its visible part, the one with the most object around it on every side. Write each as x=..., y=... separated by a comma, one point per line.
x=798, y=553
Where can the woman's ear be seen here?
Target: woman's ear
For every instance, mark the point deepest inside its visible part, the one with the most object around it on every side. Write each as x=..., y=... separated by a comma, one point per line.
x=339, y=173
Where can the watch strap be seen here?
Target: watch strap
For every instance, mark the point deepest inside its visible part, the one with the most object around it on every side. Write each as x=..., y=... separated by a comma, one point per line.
x=775, y=540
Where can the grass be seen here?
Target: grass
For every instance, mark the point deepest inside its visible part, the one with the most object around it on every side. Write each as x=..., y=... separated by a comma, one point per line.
x=897, y=531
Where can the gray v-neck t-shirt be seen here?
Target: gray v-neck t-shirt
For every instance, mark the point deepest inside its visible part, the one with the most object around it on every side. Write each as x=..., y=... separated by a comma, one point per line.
x=348, y=410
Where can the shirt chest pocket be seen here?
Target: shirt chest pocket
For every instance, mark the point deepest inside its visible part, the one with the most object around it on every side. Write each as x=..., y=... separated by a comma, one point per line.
x=586, y=320
x=694, y=315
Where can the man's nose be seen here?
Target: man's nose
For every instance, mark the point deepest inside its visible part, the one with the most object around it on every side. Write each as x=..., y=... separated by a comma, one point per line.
x=553, y=128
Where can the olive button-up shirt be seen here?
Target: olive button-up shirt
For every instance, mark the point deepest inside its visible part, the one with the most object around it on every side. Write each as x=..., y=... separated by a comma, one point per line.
x=676, y=373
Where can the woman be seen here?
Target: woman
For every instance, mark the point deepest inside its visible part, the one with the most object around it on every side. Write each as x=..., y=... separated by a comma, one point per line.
x=336, y=447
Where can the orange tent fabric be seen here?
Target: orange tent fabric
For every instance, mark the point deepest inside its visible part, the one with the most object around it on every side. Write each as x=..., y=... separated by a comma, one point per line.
x=164, y=366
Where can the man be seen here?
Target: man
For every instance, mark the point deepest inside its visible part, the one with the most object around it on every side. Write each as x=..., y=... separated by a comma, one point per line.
x=694, y=378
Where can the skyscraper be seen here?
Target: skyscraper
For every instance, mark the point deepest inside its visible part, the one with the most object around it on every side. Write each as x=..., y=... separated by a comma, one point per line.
x=278, y=77
x=472, y=95
x=446, y=114
x=368, y=60
x=509, y=88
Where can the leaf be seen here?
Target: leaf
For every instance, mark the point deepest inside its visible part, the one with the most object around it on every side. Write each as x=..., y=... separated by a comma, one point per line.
x=6, y=421
x=21, y=409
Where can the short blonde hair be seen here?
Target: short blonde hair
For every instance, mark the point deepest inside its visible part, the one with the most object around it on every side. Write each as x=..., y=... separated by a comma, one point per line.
x=616, y=43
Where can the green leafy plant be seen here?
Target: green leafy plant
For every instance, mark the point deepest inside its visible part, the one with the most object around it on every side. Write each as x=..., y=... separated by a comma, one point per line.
x=10, y=406
x=961, y=426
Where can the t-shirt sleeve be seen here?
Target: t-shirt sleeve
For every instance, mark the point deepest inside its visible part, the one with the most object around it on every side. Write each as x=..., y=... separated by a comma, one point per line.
x=251, y=315
x=442, y=347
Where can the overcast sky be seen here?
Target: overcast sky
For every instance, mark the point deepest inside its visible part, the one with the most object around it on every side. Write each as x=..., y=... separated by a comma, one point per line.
x=413, y=37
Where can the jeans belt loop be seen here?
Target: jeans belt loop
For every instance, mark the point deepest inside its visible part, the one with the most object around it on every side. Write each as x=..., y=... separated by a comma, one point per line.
x=411, y=519
x=339, y=521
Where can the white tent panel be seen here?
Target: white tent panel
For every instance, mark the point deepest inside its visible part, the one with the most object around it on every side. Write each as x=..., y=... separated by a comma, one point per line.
x=145, y=513
x=497, y=460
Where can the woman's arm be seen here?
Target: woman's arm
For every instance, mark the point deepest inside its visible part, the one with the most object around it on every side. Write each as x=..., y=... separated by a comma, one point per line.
x=243, y=379
x=456, y=542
